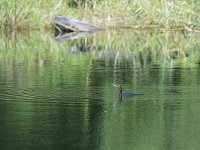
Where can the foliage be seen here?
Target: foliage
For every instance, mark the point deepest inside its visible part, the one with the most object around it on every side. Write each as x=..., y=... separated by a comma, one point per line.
x=142, y=48
x=20, y=14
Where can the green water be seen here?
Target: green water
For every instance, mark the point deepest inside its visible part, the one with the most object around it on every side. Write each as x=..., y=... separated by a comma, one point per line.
x=61, y=96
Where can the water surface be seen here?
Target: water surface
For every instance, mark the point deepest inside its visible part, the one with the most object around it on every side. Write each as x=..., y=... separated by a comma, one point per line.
x=61, y=96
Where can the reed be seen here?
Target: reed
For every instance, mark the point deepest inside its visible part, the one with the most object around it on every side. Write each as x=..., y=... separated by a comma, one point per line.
x=143, y=48
x=30, y=14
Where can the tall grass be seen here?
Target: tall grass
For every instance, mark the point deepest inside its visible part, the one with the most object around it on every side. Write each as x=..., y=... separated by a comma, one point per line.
x=30, y=14
x=143, y=48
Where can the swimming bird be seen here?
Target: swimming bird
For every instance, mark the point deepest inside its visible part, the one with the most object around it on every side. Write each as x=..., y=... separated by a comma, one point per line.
x=125, y=94
x=121, y=94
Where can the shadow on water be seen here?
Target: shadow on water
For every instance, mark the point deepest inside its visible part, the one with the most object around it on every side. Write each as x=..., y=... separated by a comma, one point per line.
x=58, y=96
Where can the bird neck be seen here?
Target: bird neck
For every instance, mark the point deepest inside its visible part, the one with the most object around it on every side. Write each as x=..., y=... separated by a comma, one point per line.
x=120, y=91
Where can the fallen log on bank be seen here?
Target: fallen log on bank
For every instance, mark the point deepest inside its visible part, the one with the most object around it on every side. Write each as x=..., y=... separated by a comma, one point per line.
x=64, y=24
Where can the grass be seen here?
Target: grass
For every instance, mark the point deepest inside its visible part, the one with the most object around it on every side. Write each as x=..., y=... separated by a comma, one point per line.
x=30, y=14
x=143, y=48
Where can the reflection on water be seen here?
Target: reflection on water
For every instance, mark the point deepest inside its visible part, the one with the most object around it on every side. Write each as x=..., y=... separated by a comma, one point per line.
x=60, y=96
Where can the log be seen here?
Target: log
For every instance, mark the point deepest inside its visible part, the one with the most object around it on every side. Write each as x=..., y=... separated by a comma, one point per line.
x=64, y=24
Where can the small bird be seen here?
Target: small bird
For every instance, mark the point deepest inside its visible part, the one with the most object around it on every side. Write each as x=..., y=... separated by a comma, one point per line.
x=125, y=94
x=121, y=94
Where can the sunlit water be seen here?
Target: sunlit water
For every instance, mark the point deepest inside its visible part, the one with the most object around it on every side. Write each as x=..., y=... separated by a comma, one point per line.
x=61, y=96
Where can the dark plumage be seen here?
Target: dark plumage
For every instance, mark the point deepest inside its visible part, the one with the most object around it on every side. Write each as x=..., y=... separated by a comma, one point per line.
x=119, y=87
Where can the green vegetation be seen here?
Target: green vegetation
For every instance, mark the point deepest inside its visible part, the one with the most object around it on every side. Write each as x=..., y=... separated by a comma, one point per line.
x=30, y=14
x=143, y=49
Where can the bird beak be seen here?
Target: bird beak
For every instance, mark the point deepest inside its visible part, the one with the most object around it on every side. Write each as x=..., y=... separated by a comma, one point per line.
x=115, y=85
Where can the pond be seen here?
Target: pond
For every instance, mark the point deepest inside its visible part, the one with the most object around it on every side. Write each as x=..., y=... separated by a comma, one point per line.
x=57, y=94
